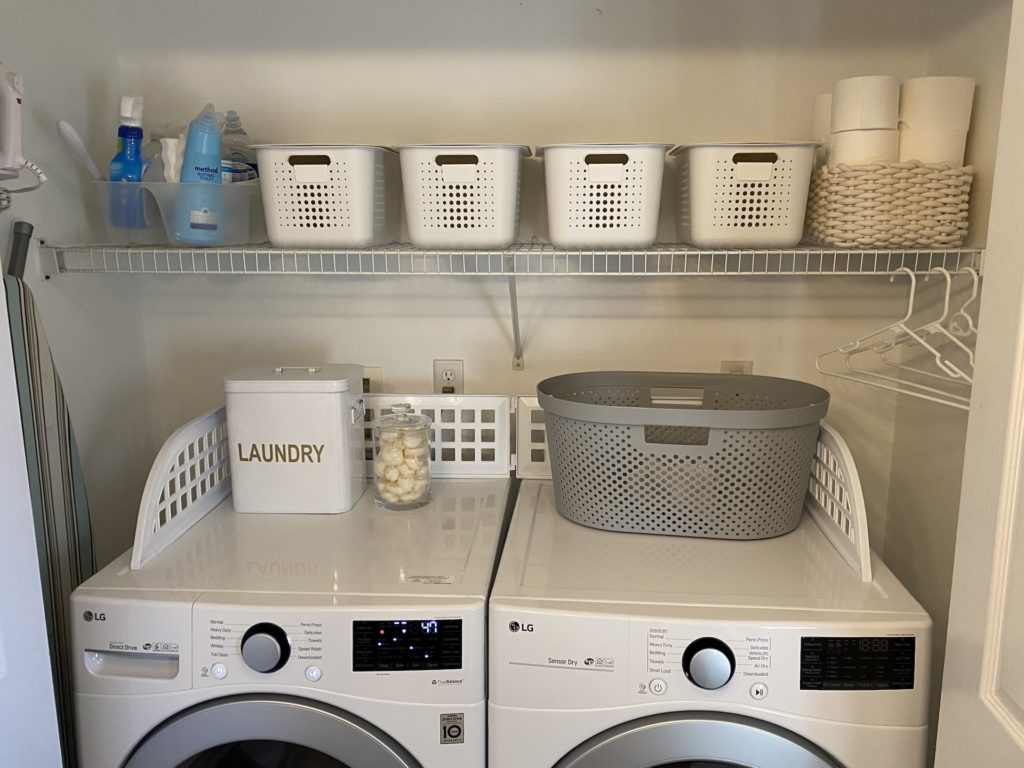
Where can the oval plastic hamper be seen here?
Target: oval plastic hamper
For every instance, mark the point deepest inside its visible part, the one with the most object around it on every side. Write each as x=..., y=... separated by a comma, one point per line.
x=682, y=454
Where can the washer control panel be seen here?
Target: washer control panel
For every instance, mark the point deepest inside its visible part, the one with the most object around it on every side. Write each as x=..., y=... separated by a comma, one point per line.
x=428, y=653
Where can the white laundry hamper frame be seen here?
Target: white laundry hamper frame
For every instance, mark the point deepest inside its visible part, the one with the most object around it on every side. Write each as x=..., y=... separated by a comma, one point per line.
x=193, y=465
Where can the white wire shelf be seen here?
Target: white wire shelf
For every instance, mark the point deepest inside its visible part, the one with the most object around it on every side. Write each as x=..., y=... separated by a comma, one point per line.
x=522, y=259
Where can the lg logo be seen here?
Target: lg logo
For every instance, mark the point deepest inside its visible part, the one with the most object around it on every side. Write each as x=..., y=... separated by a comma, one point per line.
x=515, y=626
x=90, y=616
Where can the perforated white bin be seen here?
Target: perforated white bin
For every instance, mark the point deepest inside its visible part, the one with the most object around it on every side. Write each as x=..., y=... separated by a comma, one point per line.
x=743, y=195
x=462, y=196
x=343, y=196
x=603, y=195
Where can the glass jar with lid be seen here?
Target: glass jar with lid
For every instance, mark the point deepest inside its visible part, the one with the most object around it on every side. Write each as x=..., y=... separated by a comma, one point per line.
x=401, y=458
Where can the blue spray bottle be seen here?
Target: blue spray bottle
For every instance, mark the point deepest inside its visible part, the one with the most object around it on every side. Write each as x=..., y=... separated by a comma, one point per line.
x=199, y=218
x=127, y=201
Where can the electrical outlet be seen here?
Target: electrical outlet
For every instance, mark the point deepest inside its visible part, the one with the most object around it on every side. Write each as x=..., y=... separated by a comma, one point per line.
x=738, y=366
x=373, y=378
x=448, y=378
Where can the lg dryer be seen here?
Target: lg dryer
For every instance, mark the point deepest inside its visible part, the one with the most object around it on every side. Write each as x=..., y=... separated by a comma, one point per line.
x=624, y=650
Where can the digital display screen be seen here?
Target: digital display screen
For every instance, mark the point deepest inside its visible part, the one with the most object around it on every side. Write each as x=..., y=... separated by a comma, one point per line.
x=857, y=663
x=406, y=645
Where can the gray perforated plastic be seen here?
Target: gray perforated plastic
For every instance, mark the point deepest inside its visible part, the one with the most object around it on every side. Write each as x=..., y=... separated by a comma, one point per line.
x=684, y=454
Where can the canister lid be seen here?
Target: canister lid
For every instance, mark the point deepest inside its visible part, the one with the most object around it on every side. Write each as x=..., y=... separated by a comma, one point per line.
x=296, y=378
x=401, y=417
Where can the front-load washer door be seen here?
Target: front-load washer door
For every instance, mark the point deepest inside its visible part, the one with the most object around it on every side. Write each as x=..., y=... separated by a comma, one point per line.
x=268, y=732
x=696, y=740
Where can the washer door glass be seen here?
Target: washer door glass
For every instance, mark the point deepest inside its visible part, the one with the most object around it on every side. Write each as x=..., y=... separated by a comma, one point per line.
x=268, y=732
x=697, y=740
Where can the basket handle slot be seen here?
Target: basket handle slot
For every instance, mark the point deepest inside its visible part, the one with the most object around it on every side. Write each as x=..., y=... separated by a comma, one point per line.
x=754, y=166
x=755, y=157
x=678, y=397
x=657, y=435
x=458, y=169
x=310, y=169
x=606, y=159
x=457, y=160
x=294, y=160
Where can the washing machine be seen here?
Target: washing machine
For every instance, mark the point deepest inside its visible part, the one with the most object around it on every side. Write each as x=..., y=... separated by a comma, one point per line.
x=626, y=650
x=280, y=641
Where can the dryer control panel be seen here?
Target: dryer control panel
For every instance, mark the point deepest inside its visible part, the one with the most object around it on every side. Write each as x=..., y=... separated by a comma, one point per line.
x=860, y=670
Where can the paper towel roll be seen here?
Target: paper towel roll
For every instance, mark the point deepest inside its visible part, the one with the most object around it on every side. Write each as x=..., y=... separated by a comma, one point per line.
x=863, y=147
x=937, y=103
x=932, y=146
x=821, y=119
x=871, y=102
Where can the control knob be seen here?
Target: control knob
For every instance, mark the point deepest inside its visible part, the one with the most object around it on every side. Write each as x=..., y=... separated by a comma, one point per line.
x=265, y=647
x=709, y=663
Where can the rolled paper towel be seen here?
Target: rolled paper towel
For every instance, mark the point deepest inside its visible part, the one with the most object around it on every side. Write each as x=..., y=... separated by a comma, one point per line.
x=937, y=103
x=821, y=117
x=932, y=146
x=864, y=147
x=860, y=103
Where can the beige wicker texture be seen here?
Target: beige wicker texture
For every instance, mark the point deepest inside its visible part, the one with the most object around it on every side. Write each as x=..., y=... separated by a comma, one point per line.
x=889, y=205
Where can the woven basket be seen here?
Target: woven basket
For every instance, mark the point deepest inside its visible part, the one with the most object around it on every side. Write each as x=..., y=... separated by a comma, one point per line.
x=889, y=205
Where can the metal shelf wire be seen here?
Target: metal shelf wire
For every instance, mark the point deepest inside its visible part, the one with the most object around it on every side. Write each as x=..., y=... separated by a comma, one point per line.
x=519, y=260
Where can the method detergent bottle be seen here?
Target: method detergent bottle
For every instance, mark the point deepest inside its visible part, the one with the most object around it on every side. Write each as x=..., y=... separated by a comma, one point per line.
x=199, y=218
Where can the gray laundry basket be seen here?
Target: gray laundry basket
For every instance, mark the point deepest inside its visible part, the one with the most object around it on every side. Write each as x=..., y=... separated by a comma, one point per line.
x=684, y=454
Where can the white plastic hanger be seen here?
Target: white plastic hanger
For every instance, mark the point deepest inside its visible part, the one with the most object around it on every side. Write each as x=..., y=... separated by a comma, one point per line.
x=962, y=324
x=891, y=335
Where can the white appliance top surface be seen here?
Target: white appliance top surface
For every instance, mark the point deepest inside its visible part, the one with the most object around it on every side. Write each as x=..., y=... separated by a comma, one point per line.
x=550, y=558
x=445, y=549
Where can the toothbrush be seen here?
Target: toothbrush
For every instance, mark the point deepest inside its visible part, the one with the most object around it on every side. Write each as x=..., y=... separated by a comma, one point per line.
x=74, y=143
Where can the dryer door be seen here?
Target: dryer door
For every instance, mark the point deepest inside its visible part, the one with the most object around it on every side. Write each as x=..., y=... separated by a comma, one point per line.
x=697, y=740
x=268, y=732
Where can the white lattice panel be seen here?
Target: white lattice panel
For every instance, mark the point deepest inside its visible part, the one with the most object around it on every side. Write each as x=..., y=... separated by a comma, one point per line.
x=470, y=435
x=836, y=501
x=191, y=476
x=531, y=441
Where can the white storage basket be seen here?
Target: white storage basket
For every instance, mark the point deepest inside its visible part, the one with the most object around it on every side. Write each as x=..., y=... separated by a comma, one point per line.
x=603, y=195
x=329, y=196
x=462, y=196
x=743, y=195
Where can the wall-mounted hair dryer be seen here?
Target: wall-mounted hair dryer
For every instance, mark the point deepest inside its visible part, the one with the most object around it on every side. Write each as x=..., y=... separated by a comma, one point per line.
x=12, y=161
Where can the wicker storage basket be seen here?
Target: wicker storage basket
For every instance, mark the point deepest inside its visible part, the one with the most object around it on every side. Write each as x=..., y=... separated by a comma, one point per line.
x=682, y=454
x=889, y=205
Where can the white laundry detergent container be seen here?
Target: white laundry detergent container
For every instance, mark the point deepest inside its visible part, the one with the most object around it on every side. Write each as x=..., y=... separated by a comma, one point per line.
x=295, y=435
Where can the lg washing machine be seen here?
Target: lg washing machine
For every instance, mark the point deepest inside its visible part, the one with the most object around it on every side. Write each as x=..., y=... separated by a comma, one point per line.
x=626, y=650
x=272, y=641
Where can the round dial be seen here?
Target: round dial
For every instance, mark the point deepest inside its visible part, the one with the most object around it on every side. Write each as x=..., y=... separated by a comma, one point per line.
x=709, y=663
x=265, y=647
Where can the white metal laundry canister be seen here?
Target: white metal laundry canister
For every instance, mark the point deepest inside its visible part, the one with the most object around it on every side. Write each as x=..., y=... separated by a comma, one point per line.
x=295, y=434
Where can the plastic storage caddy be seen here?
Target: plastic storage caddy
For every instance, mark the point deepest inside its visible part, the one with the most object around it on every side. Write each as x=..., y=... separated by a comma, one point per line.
x=743, y=195
x=603, y=195
x=462, y=196
x=329, y=196
x=130, y=213
x=684, y=454
x=295, y=435
x=206, y=215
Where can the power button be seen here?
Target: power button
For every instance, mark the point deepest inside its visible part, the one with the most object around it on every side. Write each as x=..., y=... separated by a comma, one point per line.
x=657, y=686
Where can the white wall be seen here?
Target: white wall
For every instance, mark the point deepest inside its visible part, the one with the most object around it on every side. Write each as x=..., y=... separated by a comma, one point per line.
x=68, y=54
x=928, y=447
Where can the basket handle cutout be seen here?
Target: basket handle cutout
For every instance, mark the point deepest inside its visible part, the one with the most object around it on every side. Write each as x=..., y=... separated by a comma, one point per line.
x=678, y=397
x=755, y=157
x=294, y=160
x=606, y=159
x=656, y=435
x=457, y=160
